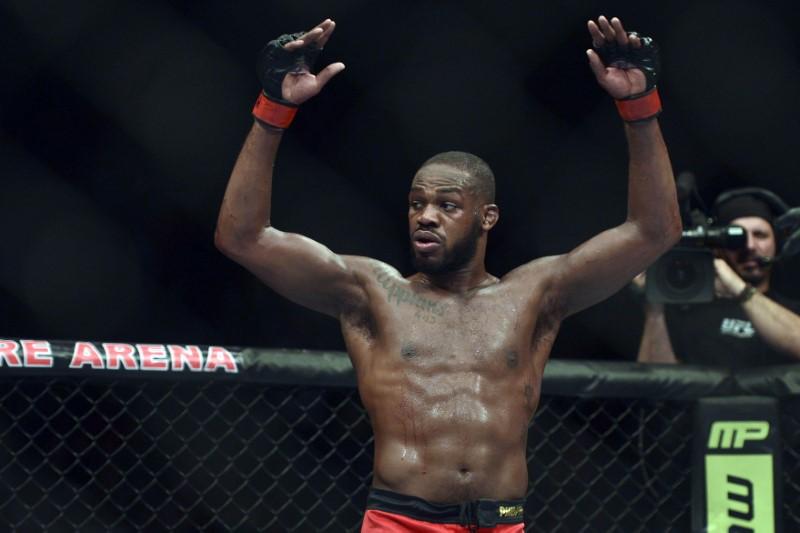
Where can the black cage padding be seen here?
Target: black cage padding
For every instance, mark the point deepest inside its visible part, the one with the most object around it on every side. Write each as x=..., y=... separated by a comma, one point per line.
x=578, y=378
x=280, y=442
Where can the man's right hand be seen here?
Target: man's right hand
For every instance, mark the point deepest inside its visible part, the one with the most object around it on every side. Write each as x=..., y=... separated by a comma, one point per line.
x=284, y=69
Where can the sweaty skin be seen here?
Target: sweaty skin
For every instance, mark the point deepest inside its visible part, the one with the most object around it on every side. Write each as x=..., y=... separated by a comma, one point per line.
x=450, y=382
x=449, y=361
x=449, y=369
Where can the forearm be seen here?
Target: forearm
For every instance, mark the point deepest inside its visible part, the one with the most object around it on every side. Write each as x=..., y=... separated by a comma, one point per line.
x=652, y=199
x=245, y=210
x=655, y=346
x=779, y=327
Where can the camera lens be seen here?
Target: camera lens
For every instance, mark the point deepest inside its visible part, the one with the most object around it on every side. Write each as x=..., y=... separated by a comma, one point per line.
x=681, y=274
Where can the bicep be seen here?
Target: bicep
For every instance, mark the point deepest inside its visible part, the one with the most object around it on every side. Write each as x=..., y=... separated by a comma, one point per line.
x=604, y=264
x=304, y=271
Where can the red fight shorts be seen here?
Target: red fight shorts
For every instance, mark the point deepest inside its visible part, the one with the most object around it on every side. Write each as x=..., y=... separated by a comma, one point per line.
x=390, y=512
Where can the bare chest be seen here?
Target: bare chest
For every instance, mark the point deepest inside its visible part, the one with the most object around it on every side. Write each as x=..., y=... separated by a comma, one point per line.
x=478, y=333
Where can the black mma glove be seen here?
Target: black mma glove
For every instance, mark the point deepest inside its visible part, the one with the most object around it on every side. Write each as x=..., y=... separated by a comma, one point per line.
x=644, y=105
x=273, y=65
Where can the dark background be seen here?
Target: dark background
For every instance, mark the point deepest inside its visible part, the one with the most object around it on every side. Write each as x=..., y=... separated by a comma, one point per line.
x=120, y=123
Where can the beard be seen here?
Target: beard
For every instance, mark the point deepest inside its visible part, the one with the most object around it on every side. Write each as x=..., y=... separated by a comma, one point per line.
x=753, y=276
x=462, y=253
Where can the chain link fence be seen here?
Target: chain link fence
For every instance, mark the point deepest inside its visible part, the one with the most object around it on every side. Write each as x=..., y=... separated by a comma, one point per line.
x=790, y=431
x=80, y=455
x=99, y=454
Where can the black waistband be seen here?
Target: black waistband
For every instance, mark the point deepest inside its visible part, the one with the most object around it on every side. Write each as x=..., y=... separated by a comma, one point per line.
x=482, y=513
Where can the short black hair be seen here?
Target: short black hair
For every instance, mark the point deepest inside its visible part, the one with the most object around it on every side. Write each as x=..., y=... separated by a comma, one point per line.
x=481, y=177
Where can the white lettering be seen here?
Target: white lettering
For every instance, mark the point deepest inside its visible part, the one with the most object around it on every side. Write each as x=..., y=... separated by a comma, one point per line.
x=742, y=329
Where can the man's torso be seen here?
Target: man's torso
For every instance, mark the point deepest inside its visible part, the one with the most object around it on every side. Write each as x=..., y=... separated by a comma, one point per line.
x=450, y=383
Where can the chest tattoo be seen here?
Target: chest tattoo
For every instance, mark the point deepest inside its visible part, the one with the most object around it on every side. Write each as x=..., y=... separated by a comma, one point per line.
x=427, y=309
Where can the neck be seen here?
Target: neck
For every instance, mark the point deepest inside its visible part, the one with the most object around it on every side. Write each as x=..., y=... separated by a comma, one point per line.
x=460, y=281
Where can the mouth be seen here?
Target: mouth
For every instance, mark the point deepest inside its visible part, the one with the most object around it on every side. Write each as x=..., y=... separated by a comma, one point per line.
x=426, y=241
x=749, y=262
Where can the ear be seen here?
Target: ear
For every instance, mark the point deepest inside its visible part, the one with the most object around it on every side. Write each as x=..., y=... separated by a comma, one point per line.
x=490, y=214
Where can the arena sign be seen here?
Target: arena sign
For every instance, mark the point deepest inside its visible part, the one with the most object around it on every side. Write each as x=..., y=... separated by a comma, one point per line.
x=737, y=487
x=84, y=355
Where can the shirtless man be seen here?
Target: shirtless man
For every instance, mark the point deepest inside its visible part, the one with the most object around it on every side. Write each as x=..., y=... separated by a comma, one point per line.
x=449, y=360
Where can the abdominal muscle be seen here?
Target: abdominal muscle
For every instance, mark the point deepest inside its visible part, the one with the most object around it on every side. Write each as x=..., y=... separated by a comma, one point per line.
x=451, y=436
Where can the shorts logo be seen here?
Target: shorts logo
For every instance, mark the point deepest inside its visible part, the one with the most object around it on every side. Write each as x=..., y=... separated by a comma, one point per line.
x=509, y=511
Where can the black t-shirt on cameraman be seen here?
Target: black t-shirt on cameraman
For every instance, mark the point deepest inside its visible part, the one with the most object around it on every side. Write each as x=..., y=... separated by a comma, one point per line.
x=719, y=333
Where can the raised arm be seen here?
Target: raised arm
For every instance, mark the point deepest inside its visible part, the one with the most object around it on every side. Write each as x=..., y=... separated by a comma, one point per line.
x=294, y=266
x=601, y=266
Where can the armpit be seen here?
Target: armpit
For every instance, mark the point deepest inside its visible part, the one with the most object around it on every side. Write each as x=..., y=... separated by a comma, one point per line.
x=360, y=321
x=548, y=321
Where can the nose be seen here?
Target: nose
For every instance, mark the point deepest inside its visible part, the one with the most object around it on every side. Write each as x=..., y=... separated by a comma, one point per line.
x=751, y=242
x=428, y=217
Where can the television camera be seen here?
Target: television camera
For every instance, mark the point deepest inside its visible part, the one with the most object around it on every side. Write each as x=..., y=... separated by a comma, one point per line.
x=685, y=274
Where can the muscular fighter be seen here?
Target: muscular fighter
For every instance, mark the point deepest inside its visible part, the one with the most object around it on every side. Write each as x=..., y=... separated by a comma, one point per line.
x=449, y=360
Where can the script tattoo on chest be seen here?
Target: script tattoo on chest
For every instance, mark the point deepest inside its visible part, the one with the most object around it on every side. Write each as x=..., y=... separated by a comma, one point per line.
x=427, y=309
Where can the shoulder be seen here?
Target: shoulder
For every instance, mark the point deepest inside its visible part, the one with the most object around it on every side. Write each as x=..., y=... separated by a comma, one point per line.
x=377, y=279
x=542, y=278
x=367, y=269
x=544, y=269
x=370, y=274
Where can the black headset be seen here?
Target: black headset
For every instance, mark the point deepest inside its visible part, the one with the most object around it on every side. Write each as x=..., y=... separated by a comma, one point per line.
x=773, y=201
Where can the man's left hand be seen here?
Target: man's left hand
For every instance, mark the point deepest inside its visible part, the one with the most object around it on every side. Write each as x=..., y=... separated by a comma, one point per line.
x=621, y=81
x=727, y=283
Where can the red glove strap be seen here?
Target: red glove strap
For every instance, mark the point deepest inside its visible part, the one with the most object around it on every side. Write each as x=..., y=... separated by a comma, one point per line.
x=273, y=113
x=641, y=108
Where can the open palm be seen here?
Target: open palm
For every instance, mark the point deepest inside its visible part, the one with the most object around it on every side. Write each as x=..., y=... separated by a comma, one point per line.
x=623, y=81
x=619, y=80
x=299, y=86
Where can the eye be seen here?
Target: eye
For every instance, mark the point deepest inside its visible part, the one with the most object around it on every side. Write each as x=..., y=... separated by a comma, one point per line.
x=414, y=204
x=449, y=206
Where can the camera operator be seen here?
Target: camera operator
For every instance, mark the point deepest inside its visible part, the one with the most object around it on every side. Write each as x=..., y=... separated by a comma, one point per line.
x=748, y=323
